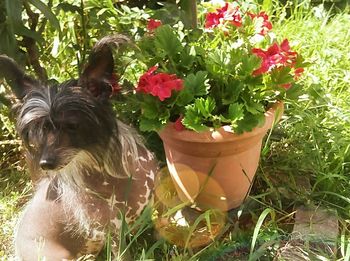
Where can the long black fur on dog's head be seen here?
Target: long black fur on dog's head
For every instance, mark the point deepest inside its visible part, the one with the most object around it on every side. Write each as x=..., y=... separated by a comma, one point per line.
x=58, y=123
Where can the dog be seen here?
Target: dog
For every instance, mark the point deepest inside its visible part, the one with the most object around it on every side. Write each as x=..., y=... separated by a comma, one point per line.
x=89, y=169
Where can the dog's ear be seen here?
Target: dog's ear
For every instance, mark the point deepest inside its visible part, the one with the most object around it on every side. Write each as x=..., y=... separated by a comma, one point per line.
x=19, y=82
x=97, y=76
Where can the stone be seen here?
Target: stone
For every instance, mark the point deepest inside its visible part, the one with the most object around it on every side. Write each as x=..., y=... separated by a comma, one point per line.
x=316, y=225
x=315, y=233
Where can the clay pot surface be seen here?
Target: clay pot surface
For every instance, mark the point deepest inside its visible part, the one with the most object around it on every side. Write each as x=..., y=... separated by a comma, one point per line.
x=215, y=168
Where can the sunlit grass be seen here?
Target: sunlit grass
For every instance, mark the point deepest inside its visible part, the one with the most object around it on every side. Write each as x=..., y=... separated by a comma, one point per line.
x=14, y=192
x=318, y=127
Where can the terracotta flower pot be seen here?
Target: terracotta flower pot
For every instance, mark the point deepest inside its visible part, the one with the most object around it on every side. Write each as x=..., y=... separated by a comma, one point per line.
x=215, y=169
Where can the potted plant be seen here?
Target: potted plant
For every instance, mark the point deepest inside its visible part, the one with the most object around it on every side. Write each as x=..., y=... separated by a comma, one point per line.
x=212, y=93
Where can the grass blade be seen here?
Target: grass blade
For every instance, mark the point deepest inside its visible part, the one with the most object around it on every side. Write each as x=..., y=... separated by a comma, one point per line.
x=257, y=228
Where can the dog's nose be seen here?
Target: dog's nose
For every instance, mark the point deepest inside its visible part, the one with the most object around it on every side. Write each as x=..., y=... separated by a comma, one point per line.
x=47, y=164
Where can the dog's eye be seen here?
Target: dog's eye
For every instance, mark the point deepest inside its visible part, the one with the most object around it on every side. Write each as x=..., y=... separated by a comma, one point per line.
x=46, y=126
x=27, y=137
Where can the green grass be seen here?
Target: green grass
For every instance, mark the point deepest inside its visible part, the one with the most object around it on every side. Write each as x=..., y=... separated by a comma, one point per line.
x=14, y=192
x=310, y=145
x=317, y=128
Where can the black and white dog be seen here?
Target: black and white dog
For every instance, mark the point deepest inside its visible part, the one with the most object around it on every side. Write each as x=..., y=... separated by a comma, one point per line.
x=88, y=168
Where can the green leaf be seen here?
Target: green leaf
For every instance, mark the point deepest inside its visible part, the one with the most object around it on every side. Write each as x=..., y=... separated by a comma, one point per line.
x=14, y=10
x=193, y=120
x=185, y=97
x=20, y=29
x=249, y=122
x=47, y=13
x=153, y=114
x=187, y=58
x=205, y=106
x=199, y=113
x=149, y=110
x=257, y=229
x=253, y=107
x=167, y=41
x=248, y=64
x=267, y=5
x=147, y=124
x=217, y=58
x=195, y=85
x=281, y=76
x=14, y=17
x=294, y=92
x=301, y=63
x=232, y=91
x=8, y=42
x=68, y=8
x=235, y=112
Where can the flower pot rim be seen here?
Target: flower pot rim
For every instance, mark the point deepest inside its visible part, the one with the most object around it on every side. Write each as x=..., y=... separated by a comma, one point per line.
x=224, y=133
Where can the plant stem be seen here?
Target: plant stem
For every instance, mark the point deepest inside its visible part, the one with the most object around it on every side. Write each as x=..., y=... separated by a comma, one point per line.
x=31, y=46
x=84, y=32
x=190, y=8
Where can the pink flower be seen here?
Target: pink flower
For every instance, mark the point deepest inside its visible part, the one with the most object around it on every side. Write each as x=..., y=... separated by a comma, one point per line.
x=265, y=24
x=178, y=124
x=159, y=84
x=153, y=24
x=274, y=57
x=226, y=13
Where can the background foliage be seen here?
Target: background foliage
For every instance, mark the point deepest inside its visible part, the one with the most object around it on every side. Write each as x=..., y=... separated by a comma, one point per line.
x=312, y=143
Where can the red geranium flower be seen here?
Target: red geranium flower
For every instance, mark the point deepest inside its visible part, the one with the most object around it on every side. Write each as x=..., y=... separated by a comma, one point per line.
x=286, y=85
x=275, y=56
x=153, y=24
x=265, y=25
x=212, y=20
x=298, y=72
x=159, y=84
x=226, y=13
x=178, y=124
x=234, y=15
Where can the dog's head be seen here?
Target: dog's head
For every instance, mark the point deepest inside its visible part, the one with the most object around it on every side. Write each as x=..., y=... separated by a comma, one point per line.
x=57, y=122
